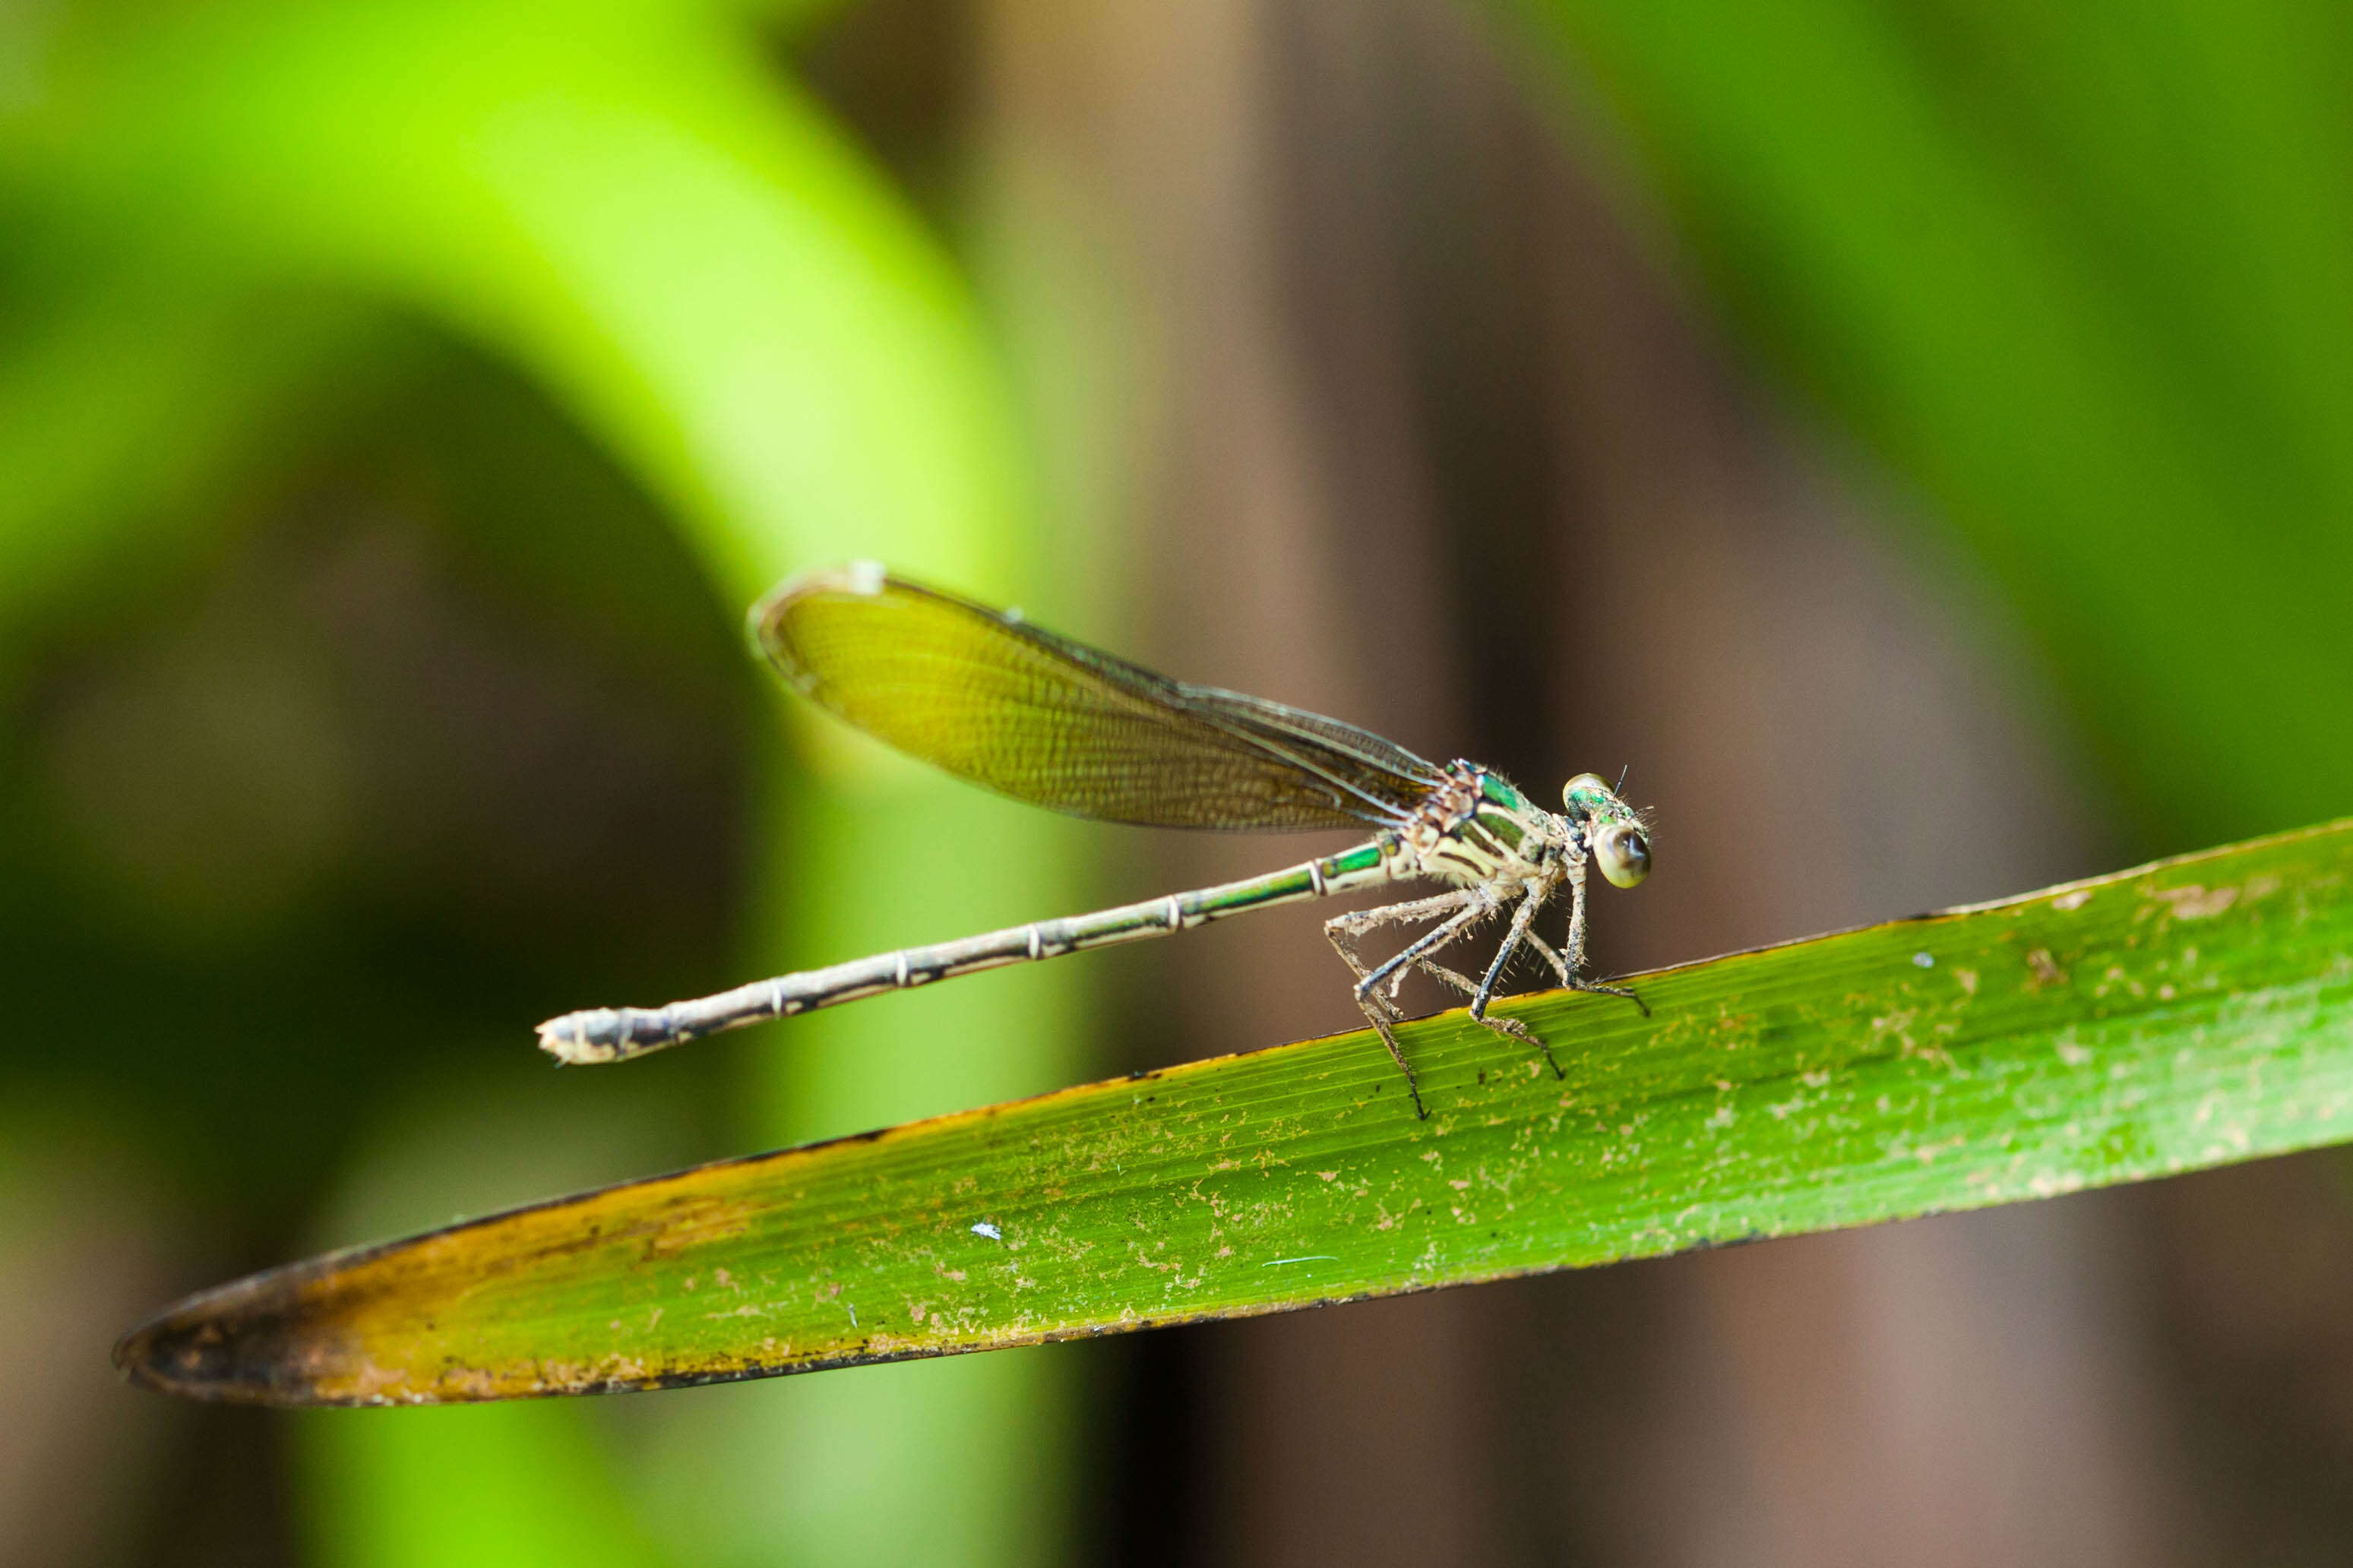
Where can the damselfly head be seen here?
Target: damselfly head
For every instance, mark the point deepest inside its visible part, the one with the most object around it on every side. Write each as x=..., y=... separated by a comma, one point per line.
x=1621, y=850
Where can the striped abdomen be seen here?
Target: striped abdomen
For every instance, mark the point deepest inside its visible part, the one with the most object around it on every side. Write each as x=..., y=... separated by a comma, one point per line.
x=615, y=1034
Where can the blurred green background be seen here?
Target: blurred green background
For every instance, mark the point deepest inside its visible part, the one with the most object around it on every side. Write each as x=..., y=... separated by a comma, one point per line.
x=1912, y=436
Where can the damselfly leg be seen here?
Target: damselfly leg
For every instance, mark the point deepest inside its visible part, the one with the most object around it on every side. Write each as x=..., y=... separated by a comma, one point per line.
x=1573, y=959
x=1521, y=918
x=1463, y=909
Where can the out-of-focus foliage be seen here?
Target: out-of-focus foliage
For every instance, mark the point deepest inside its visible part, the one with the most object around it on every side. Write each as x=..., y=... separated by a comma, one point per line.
x=2085, y=275
x=238, y=243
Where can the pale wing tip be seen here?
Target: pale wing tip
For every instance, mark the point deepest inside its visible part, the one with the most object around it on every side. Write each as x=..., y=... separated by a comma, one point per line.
x=856, y=579
x=859, y=579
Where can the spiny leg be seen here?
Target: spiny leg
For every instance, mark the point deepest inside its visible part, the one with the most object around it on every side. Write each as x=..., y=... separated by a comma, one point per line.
x=1454, y=978
x=1343, y=930
x=1552, y=956
x=1482, y=992
x=1482, y=904
x=1430, y=966
x=1575, y=953
x=1418, y=956
x=1470, y=987
x=1377, y=1008
x=1445, y=976
x=1521, y=920
x=1356, y=922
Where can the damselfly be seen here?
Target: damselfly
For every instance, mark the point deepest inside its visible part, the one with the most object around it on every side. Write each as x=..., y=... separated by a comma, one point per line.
x=989, y=698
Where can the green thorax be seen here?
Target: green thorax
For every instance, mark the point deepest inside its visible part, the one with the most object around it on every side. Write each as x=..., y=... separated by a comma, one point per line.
x=1500, y=813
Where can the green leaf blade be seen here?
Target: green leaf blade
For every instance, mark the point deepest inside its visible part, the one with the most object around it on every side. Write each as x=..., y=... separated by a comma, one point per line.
x=2192, y=1012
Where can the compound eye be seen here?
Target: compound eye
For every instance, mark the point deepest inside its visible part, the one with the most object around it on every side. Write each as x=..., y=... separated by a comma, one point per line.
x=1589, y=786
x=1624, y=853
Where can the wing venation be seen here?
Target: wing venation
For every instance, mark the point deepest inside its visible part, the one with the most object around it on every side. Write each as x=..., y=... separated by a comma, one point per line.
x=991, y=698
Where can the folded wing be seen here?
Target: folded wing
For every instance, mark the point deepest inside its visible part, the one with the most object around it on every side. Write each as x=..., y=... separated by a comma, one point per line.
x=989, y=698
